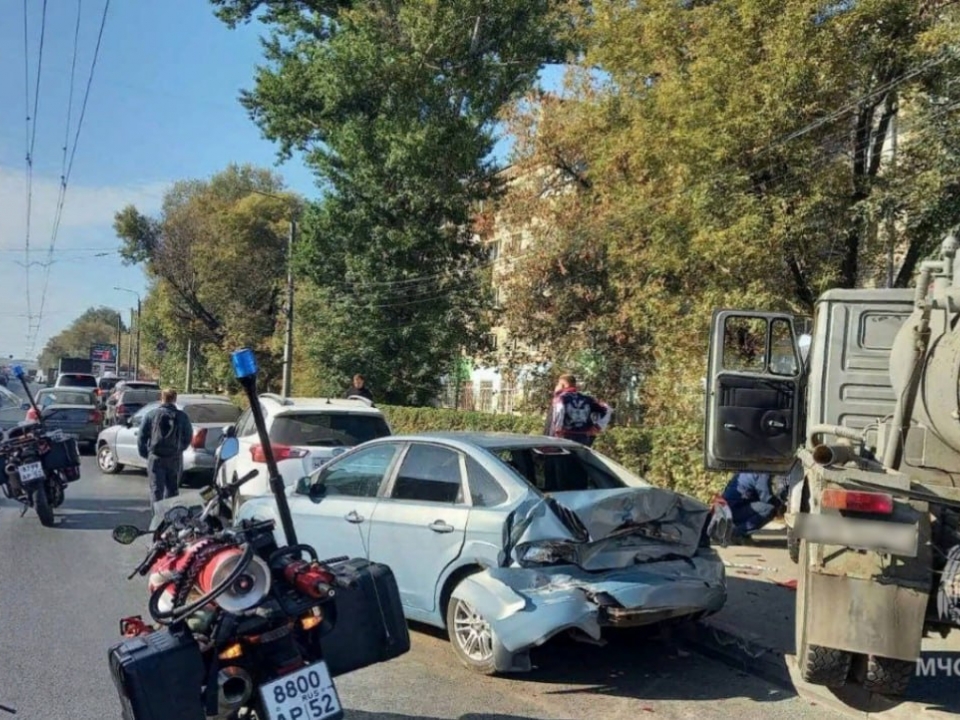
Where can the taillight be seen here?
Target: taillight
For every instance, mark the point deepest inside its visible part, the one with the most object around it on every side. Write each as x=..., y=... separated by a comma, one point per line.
x=280, y=452
x=95, y=416
x=856, y=501
x=31, y=414
x=121, y=409
x=199, y=439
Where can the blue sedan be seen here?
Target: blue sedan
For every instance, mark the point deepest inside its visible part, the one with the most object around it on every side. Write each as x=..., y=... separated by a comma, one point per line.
x=507, y=540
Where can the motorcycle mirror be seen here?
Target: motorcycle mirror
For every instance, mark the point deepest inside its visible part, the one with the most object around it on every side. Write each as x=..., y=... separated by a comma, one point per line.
x=229, y=448
x=126, y=534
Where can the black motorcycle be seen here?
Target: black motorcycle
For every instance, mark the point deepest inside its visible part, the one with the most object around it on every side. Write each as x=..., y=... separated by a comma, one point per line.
x=37, y=463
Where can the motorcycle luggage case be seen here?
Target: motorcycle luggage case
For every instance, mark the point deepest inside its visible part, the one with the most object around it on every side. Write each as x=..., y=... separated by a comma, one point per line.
x=159, y=677
x=61, y=456
x=370, y=626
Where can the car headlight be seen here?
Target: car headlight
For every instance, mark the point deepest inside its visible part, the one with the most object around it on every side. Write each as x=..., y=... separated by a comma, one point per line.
x=547, y=553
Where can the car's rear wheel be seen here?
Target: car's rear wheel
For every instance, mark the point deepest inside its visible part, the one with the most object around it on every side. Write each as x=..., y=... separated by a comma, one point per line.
x=107, y=460
x=471, y=636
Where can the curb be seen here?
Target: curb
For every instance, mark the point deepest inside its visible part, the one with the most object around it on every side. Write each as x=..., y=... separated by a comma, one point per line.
x=716, y=639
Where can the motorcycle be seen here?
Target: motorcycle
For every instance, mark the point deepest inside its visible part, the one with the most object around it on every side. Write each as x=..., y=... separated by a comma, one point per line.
x=243, y=620
x=37, y=463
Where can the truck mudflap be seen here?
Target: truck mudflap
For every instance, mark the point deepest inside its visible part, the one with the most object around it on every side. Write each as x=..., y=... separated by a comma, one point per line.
x=899, y=539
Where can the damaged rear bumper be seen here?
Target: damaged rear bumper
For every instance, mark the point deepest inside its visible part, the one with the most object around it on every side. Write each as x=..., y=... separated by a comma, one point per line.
x=527, y=606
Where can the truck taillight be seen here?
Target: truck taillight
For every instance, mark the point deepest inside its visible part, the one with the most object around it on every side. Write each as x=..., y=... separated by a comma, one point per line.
x=280, y=452
x=856, y=501
x=199, y=439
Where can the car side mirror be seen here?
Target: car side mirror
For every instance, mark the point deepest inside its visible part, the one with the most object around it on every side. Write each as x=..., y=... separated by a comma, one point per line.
x=229, y=448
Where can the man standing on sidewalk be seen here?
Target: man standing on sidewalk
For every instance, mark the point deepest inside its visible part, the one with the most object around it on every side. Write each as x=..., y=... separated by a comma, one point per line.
x=575, y=415
x=164, y=435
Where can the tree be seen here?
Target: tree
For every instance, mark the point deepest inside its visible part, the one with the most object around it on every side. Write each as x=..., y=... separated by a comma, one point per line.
x=395, y=105
x=216, y=258
x=731, y=155
x=96, y=325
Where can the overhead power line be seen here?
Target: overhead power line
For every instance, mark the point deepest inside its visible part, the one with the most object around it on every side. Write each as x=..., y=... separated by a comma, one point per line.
x=65, y=179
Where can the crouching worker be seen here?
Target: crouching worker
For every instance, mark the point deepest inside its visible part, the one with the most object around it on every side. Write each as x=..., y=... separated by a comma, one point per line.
x=165, y=434
x=754, y=500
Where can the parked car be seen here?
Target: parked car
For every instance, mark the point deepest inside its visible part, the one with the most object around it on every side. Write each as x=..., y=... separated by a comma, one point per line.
x=105, y=387
x=75, y=412
x=507, y=540
x=11, y=409
x=124, y=404
x=209, y=414
x=76, y=380
x=305, y=433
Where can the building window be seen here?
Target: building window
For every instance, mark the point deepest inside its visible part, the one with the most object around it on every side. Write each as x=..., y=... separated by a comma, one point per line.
x=486, y=396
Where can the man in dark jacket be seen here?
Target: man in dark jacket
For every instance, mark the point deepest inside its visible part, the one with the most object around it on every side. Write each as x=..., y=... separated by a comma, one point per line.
x=359, y=388
x=165, y=433
x=575, y=415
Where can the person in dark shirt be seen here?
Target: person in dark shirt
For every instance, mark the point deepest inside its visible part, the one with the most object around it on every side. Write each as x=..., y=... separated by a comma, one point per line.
x=359, y=388
x=575, y=415
x=754, y=500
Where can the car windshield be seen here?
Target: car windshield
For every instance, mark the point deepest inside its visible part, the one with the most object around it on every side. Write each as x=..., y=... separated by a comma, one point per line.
x=78, y=381
x=327, y=429
x=64, y=397
x=216, y=412
x=553, y=469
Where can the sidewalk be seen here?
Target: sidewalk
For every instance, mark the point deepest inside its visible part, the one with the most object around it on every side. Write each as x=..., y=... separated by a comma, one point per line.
x=755, y=631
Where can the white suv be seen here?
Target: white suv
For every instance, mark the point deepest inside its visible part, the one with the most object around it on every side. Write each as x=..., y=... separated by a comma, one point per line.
x=304, y=433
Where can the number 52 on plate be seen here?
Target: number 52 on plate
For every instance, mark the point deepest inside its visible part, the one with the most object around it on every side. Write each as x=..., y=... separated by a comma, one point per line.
x=308, y=694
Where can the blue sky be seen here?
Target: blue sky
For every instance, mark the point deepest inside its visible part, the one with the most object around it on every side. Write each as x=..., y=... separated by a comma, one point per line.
x=162, y=107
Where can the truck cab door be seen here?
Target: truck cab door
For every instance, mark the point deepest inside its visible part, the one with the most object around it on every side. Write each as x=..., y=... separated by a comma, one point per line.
x=755, y=392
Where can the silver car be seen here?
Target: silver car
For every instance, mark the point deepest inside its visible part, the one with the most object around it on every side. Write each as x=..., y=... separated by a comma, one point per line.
x=74, y=411
x=507, y=540
x=209, y=414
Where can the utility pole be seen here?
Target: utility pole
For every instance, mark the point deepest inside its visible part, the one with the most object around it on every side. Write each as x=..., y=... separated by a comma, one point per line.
x=119, y=336
x=136, y=373
x=189, y=382
x=130, y=349
x=288, y=337
x=891, y=230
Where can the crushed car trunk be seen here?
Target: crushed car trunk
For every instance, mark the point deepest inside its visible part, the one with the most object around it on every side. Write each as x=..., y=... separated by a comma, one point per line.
x=589, y=559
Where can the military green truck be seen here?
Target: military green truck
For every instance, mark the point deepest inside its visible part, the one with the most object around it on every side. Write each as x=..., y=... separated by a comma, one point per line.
x=869, y=426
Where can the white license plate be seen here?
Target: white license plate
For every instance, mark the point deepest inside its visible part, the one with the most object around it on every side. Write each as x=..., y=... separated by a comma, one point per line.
x=31, y=471
x=308, y=694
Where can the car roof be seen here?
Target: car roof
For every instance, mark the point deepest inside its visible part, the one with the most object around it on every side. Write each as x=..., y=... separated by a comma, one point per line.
x=194, y=399
x=285, y=406
x=488, y=440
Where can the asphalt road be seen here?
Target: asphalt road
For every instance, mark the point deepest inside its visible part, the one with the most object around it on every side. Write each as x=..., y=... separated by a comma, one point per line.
x=63, y=589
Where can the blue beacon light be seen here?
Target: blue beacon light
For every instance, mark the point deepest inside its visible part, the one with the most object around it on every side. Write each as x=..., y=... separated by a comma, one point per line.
x=18, y=372
x=244, y=363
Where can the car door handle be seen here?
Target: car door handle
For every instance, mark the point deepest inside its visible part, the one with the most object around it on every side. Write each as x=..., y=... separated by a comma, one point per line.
x=440, y=526
x=352, y=517
x=730, y=426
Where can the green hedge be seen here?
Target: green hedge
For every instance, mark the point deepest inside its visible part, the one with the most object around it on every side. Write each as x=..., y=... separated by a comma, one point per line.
x=628, y=446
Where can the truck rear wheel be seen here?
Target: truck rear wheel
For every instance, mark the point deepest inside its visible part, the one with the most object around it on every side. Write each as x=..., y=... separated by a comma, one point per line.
x=818, y=665
x=888, y=676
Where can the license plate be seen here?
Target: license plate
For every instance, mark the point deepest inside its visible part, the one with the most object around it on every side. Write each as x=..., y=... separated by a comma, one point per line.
x=308, y=694
x=31, y=471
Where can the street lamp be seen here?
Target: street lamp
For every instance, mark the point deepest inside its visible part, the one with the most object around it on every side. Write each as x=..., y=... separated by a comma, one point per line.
x=288, y=336
x=136, y=372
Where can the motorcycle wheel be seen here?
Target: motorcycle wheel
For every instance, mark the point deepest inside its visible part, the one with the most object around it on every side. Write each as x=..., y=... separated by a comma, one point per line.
x=56, y=491
x=42, y=506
